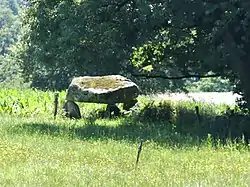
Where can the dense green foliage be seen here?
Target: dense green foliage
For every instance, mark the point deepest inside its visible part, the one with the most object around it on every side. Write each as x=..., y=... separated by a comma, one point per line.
x=47, y=77
x=62, y=39
x=199, y=37
x=10, y=25
x=210, y=85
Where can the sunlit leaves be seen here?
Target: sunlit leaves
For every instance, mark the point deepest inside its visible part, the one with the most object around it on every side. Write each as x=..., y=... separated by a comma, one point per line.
x=148, y=55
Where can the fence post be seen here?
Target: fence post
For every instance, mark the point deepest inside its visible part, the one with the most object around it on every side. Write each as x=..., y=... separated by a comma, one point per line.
x=56, y=96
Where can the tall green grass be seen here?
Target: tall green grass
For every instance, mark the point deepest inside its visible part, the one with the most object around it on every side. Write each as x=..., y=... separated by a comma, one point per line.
x=38, y=151
x=26, y=102
x=31, y=102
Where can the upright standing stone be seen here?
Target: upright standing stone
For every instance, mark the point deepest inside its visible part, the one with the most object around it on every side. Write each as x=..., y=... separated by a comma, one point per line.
x=72, y=110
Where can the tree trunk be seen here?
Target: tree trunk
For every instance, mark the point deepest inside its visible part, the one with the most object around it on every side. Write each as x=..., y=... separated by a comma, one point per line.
x=240, y=65
x=244, y=75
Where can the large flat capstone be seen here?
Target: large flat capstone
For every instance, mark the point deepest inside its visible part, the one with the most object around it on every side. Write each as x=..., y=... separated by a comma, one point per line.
x=102, y=89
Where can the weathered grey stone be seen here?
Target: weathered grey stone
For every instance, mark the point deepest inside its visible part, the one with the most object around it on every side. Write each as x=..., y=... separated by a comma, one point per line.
x=108, y=89
x=72, y=110
x=129, y=104
x=113, y=110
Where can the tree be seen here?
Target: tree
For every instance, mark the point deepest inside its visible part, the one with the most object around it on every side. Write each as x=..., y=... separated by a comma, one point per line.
x=9, y=24
x=170, y=39
x=9, y=35
x=203, y=36
x=214, y=84
x=62, y=39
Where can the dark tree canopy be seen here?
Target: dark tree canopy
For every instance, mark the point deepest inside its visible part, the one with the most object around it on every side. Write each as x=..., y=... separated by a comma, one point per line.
x=156, y=38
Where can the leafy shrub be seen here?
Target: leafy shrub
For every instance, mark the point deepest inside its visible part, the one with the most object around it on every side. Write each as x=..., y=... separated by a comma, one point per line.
x=184, y=119
x=154, y=111
x=214, y=84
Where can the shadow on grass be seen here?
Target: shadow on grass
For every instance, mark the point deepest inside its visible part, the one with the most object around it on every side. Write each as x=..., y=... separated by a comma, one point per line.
x=164, y=133
x=125, y=129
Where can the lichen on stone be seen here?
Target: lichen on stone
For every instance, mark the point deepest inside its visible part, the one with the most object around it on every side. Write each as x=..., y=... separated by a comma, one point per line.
x=102, y=82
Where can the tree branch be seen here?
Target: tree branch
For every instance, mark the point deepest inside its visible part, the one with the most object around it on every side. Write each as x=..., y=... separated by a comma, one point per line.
x=174, y=78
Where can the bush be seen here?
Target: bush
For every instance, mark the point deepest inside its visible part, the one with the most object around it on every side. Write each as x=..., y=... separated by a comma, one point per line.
x=154, y=111
x=184, y=119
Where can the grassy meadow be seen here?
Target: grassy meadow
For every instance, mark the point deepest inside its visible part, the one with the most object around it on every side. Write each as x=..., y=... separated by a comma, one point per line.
x=36, y=150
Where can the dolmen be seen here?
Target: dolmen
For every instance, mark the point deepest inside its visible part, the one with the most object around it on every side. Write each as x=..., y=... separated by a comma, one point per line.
x=109, y=89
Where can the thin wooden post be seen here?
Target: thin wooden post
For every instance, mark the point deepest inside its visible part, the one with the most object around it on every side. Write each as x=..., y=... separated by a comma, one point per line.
x=198, y=114
x=56, y=96
x=139, y=152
